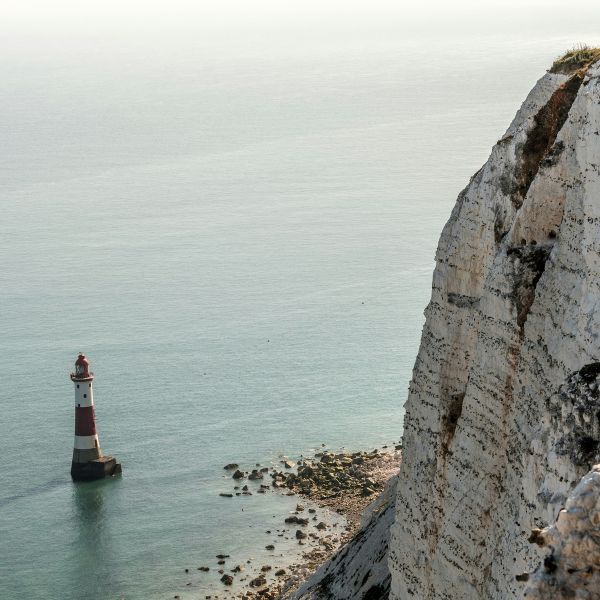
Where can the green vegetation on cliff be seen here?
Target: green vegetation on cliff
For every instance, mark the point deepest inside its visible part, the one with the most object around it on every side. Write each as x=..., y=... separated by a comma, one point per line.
x=576, y=58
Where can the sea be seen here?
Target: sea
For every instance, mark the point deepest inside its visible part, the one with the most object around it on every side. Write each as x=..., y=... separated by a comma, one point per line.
x=234, y=215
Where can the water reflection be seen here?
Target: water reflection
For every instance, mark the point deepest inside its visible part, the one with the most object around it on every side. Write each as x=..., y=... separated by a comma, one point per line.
x=94, y=544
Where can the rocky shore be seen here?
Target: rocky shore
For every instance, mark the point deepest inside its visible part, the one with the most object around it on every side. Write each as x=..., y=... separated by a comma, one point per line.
x=333, y=489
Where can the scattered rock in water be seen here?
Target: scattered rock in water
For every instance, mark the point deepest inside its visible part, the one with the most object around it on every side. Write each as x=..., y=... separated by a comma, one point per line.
x=238, y=475
x=258, y=581
x=187, y=570
x=226, y=495
x=204, y=569
x=221, y=556
x=231, y=466
x=332, y=478
x=227, y=579
x=296, y=520
x=221, y=562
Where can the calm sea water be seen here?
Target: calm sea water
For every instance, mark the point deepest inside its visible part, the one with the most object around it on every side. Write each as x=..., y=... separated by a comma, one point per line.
x=242, y=242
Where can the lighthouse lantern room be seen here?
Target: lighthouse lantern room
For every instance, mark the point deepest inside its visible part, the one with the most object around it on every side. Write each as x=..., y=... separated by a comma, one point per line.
x=88, y=461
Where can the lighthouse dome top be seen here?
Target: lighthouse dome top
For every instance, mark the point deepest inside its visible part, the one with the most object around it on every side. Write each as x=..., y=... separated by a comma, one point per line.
x=82, y=369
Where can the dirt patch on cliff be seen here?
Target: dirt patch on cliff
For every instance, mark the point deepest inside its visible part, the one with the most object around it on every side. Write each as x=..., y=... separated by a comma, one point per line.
x=547, y=123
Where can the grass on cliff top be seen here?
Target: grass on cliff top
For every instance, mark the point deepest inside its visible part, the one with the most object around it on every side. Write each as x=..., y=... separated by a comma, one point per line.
x=580, y=56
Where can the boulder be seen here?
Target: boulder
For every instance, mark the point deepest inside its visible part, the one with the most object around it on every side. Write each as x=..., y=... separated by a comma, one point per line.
x=258, y=581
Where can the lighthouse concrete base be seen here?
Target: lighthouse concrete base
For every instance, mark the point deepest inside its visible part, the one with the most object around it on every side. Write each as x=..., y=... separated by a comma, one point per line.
x=105, y=466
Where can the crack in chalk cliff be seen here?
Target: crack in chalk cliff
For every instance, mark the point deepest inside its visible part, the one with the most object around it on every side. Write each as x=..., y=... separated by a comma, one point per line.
x=538, y=146
x=450, y=419
x=529, y=263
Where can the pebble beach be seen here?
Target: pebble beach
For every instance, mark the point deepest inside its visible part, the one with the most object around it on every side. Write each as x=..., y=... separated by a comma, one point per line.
x=332, y=490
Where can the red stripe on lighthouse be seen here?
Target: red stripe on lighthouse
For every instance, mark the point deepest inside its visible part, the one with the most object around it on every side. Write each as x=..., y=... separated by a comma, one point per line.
x=85, y=422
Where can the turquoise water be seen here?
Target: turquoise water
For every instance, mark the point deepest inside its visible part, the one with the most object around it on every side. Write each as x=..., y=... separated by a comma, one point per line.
x=242, y=243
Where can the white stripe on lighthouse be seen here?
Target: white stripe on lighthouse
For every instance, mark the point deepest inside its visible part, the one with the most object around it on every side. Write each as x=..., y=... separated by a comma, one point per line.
x=86, y=442
x=84, y=396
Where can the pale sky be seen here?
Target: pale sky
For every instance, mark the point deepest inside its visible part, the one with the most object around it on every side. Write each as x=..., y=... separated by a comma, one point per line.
x=39, y=29
x=29, y=16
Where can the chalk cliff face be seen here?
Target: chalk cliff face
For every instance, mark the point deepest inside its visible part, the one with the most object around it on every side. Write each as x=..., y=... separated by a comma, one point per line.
x=503, y=414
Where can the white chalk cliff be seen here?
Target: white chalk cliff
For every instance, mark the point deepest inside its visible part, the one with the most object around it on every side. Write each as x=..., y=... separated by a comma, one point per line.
x=503, y=413
x=499, y=422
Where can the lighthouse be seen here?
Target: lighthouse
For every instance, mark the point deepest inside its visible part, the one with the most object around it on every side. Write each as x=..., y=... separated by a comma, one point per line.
x=88, y=461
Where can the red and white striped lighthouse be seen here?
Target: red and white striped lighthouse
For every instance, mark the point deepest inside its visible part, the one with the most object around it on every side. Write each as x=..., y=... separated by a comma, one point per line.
x=88, y=460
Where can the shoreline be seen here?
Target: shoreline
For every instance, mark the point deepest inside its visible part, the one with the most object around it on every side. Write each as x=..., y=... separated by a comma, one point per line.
x=333, y=490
